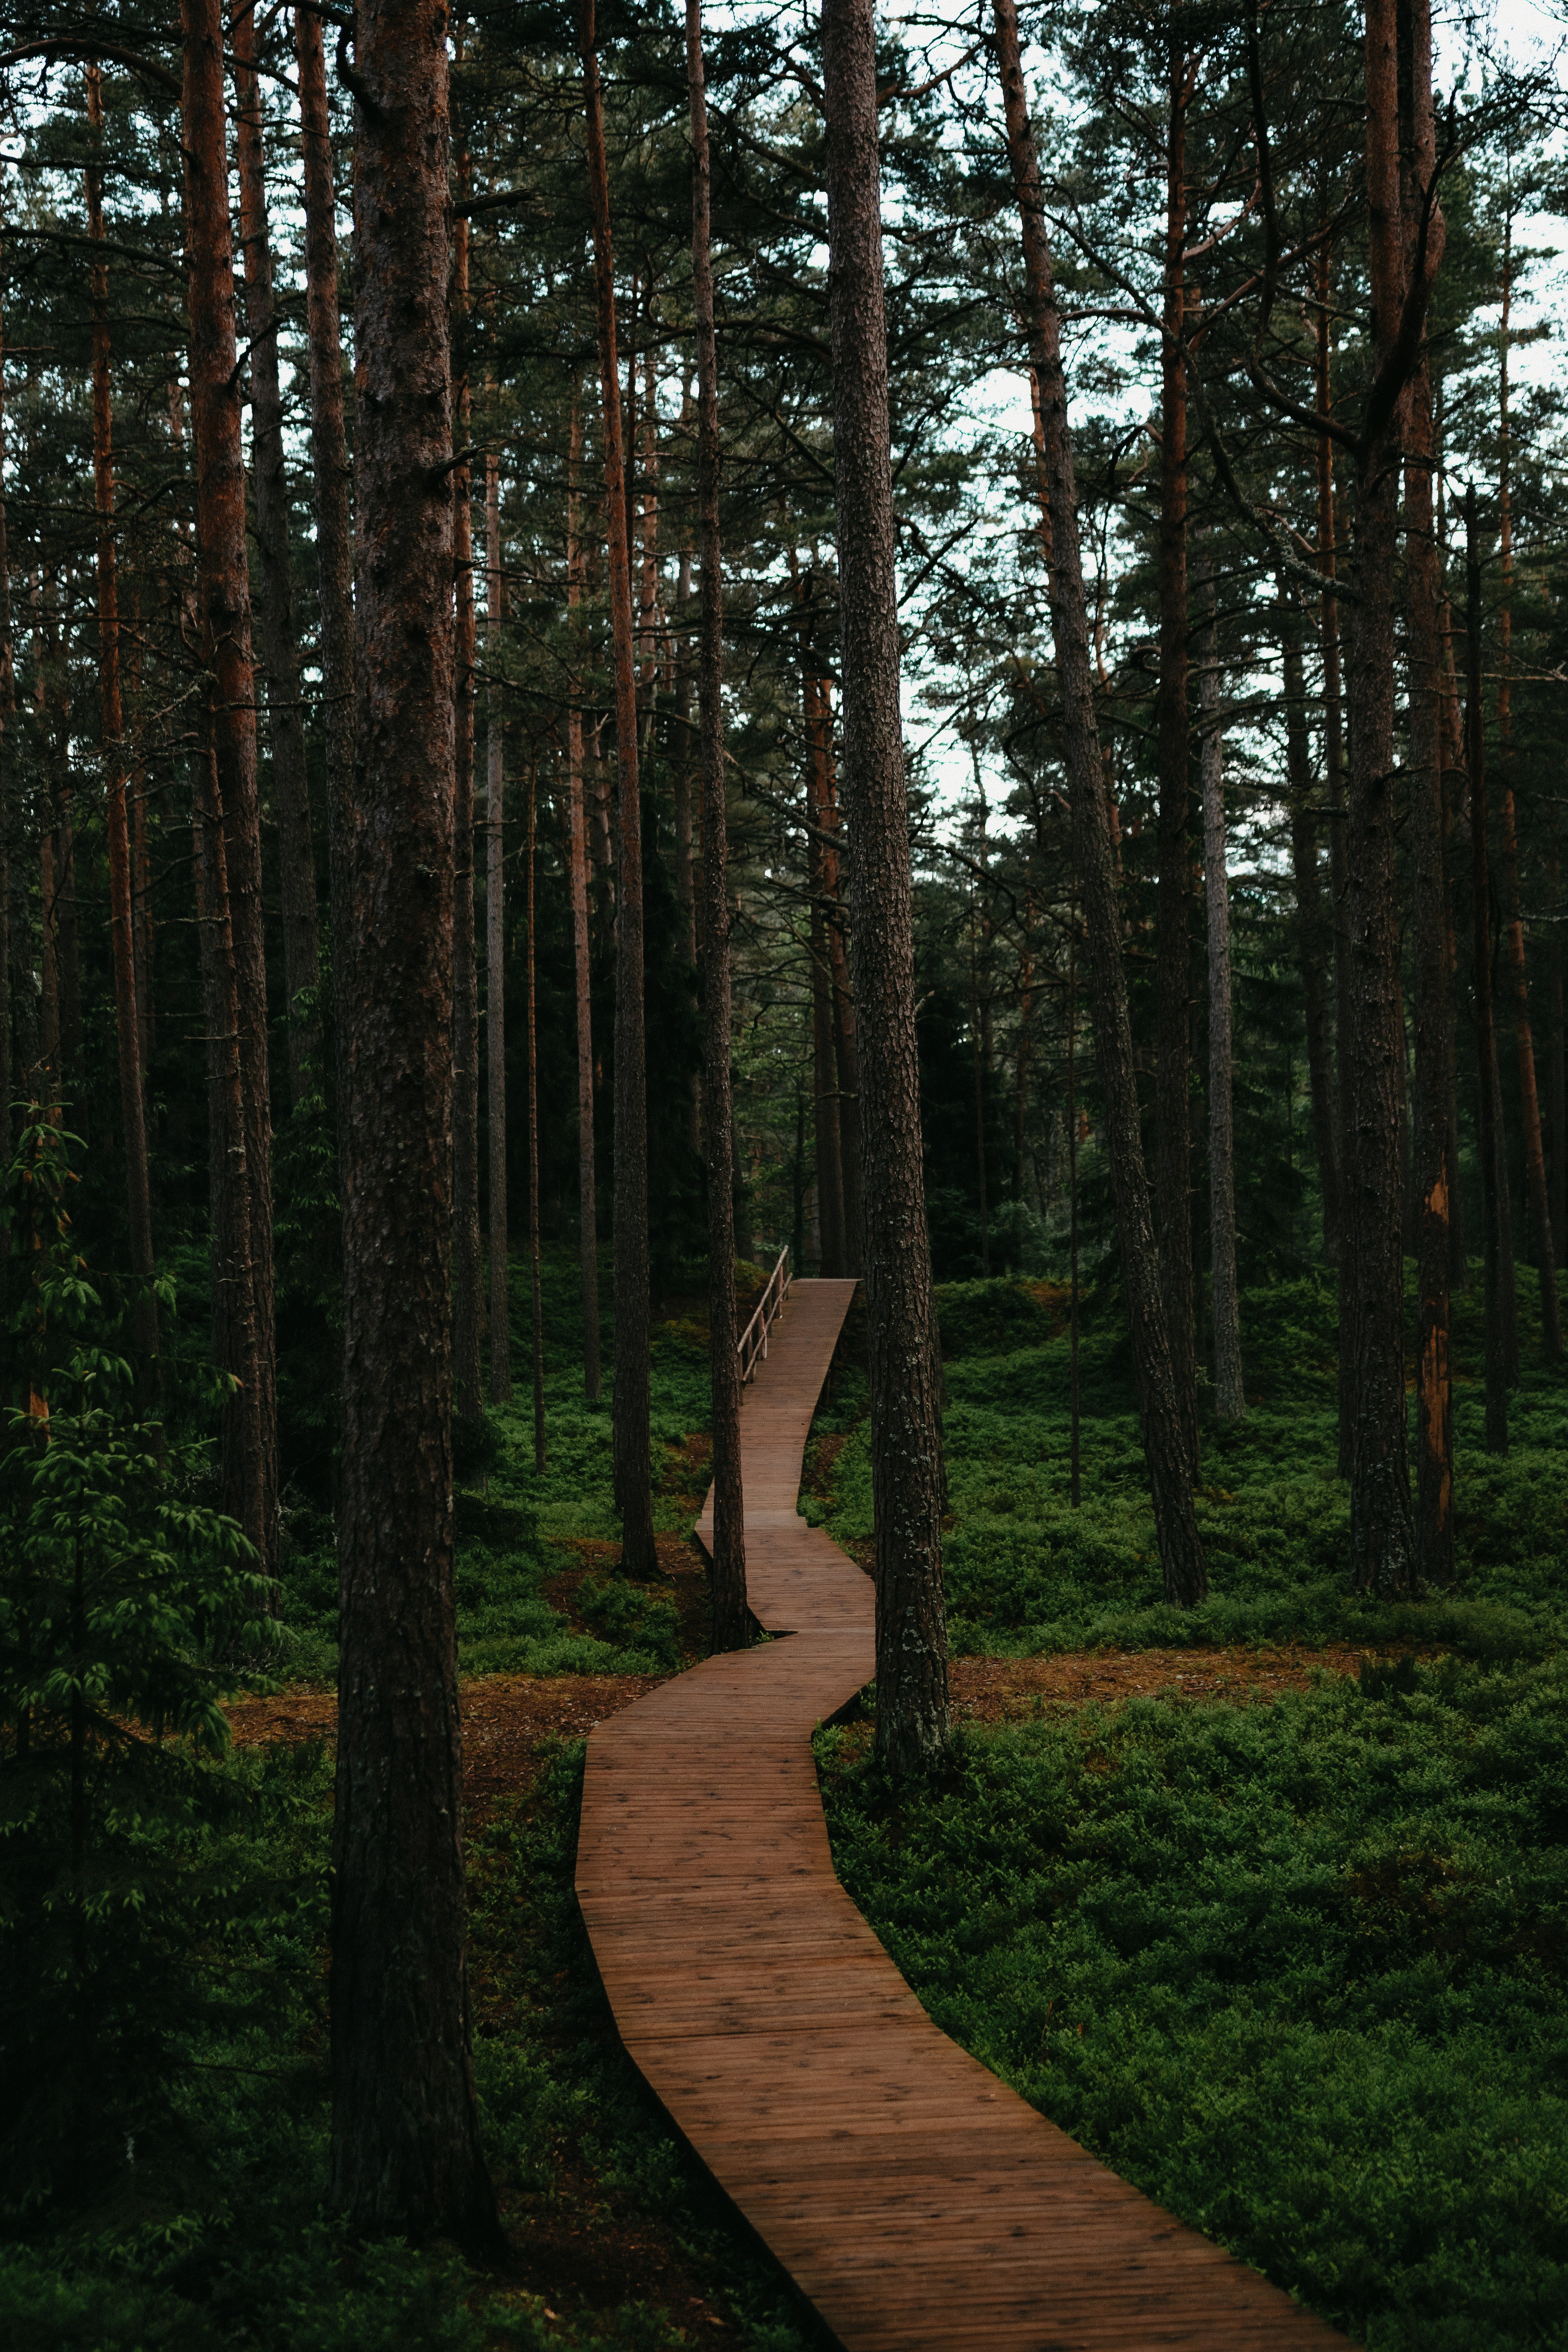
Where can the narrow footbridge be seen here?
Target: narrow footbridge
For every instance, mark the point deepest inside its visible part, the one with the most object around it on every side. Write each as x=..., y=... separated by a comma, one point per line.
x=914, y=2198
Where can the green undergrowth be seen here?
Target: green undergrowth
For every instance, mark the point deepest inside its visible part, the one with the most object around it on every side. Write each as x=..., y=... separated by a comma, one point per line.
x=1026, y=1573
x=518, y=1528
x=206, y=2230
x=1295, y=1970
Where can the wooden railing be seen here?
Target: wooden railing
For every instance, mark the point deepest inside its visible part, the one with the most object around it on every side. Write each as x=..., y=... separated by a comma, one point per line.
x=753, y=1340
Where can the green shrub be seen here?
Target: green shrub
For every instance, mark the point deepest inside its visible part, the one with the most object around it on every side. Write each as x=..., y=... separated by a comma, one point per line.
x=1298, y=1971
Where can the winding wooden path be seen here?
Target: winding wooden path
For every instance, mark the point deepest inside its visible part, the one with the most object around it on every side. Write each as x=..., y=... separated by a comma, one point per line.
x=914, y=2198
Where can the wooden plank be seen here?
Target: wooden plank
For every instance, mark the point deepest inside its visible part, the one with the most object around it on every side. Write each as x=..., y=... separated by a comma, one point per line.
x=915, y=2199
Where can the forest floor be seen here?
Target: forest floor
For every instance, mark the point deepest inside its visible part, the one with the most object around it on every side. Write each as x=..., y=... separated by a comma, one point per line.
x=1266, y=1901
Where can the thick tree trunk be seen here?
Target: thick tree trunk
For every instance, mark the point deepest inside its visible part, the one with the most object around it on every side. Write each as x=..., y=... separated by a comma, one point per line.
x=1172, y=1467
x=633, y=1443
x=912, y=1723
x=123, y=942
x=587, y=1180
x=1496, y=1234
x=329, y=452
x=224, y=601
x=279, y=646
x=1382, y=1529
x=495, y=956
x=732, y=1620
x=1173, y=983
x=405, y=2155
x=467, y=1257
x=1230, y=1394
x=1313, y=945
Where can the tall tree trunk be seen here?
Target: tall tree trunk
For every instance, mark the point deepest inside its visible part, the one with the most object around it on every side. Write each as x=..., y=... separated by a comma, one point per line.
x=632, y=1439
x=279, y=646
x=648, y=627
x=1230, y=1394
x=495, y=954
x=1172, y=1107
x=687, y=761
x=1433, y=1170
x=587, y=1181
x=123, y=943
x=329, y=452
x=224, y=598
x=1313, y=929
x=1172, y=1466
x=732, y=1620
x=405, y=2155
x=467, y=1257
x=913, y=1721
x=536, y=1295
x=1333, y=764
x=1382, y=1529
x=1496, y=1236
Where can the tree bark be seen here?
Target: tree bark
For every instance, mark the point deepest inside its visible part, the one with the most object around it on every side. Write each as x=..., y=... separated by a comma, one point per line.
x=587, y=1182
x=123, y=942
x=495, y=955
x=1497, y=1237
x=912, y=1718
x=632, y=1438
x=1382, y=1529
x=1172, y=1467
x=1433, y=1170
x=1173, y=983
x=731, y=1624
x=467, y=1257
x=1334, y=763
x=1229, y=1394
x=1312, y=926
x=275, y=600
x=330, y=477
x=224, y=603
x=405, y=2155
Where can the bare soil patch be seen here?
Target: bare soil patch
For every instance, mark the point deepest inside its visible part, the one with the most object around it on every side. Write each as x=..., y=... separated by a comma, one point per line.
x=1004, y=1690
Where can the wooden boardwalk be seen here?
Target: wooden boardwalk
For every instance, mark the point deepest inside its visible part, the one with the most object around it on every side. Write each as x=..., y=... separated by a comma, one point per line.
x=914, y=2198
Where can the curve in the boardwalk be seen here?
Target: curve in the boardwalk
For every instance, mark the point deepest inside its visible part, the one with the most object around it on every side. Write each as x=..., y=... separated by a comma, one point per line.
x=915, y=2199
